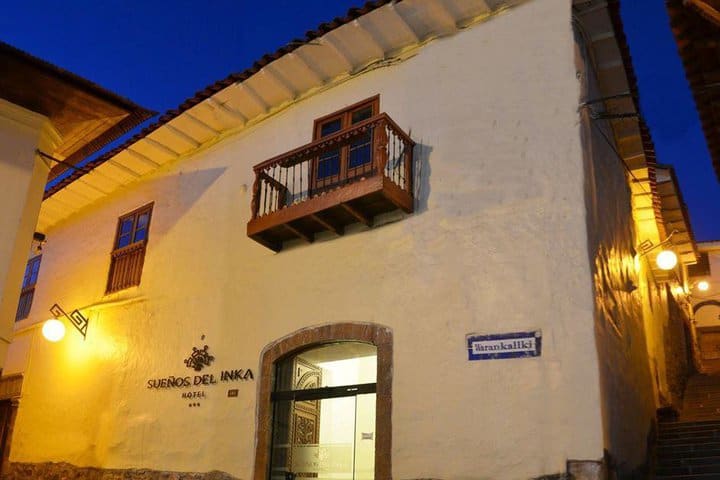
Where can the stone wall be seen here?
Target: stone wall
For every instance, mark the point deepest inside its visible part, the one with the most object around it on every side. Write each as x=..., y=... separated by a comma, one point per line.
x=677, y=355
x=626, y=381
x=66, y=471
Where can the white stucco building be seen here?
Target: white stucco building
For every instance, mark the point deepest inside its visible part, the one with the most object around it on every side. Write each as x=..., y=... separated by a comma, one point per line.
x=406, y=248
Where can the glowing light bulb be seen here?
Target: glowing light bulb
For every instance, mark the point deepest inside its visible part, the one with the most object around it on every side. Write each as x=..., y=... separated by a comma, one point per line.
x=703, y=285
x=53, y=330
x=666, y=260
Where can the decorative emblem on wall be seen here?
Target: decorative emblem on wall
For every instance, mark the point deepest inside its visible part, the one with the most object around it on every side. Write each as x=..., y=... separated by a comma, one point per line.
x=199, y=359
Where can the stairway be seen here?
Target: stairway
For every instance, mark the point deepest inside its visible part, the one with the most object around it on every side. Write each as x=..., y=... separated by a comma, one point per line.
x=689, y=448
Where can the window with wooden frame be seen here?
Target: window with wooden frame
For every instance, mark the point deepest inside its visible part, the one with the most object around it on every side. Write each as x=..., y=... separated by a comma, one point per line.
x=354, y=160
x=28, y=288
x=128, y=255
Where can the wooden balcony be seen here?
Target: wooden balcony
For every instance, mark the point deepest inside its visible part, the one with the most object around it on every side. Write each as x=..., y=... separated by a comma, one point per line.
x=348, y=177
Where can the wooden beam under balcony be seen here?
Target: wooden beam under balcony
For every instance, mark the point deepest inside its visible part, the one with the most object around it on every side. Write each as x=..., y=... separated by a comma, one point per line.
x=332, y=210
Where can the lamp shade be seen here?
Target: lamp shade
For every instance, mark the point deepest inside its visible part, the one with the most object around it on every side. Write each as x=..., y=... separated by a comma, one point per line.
x=666, y=260
x=53, y=330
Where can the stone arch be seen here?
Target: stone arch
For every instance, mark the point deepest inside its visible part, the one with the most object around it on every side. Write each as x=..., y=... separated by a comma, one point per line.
x=375, y=334
x=705, y=304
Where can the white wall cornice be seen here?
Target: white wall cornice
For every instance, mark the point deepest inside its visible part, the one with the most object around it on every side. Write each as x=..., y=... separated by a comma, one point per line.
x=49, y=137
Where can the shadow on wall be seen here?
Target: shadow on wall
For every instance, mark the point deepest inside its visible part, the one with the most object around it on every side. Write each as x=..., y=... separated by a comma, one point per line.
x=177, y=194
x=422, y=172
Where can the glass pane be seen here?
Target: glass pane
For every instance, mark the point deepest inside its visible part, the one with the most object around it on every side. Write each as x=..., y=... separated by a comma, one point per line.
x=28, y=274
x=140, y=235
x=330, y=127
x=330, y=365
x=360, y=152
x=142, y=220
x=328, y=439
x=123, y=241
x=360, y=115
x=34, y=273
x=126, y=225
x=329, y=165
x=365, y=437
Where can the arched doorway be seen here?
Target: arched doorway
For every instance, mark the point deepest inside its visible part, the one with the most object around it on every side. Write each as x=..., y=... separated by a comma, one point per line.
x=324, y=404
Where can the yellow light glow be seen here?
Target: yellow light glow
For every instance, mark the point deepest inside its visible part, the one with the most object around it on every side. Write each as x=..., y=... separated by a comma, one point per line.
x=666, y=260
x=53, y=330
x=703, y=286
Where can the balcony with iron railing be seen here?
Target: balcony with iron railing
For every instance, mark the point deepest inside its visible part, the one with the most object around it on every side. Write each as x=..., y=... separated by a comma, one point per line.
x=348, y=177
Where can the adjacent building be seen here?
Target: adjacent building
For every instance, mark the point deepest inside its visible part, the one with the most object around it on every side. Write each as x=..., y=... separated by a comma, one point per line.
x=421, y=243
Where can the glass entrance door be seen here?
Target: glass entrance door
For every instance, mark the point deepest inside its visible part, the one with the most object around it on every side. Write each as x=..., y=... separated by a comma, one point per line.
x=324, y=425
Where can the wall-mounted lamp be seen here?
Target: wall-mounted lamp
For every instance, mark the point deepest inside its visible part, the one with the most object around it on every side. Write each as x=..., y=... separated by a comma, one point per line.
x=666, y=259
x=703, y=285
x=54, y=329
x=39, y=239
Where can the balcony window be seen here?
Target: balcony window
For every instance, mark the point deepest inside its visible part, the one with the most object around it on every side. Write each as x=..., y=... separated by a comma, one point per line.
x=348, y=161
x=28, y=288
x=359, y=165
x=128, y=255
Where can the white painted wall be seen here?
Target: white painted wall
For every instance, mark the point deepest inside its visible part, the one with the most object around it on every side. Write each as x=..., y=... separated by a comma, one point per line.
x=22, y=179
x=497, y=244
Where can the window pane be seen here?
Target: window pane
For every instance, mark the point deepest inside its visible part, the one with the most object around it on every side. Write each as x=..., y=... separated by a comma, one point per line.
x=123, y=241
x=365, y=436
x=34, y=275
x=319, y=442
x=28, y=274
x=329, y=165
x=360, y=115
x=142, y=220
x=330, y=127
x=360, y=153
x=31, y=271
x=126, y=225
x=140, y=235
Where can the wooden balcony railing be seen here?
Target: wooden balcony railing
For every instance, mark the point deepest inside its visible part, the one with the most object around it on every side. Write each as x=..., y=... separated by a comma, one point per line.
x=349, y=176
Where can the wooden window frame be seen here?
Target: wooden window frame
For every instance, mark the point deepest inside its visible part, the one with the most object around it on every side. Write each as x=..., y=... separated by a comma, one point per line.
x=28, y=289
x=122, y=276
x=371, y=333
x=345, y=117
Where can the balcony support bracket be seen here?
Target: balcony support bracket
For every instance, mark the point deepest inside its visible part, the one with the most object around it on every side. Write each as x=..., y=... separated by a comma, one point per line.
x=337, y=230
x=360, y=217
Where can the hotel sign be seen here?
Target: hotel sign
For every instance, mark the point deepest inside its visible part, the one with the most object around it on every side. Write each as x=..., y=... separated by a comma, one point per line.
x=504, y=345
x=198, y=359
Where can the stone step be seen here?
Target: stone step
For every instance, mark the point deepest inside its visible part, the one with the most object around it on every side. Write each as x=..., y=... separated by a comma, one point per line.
x=699, y=476
x=688, y=450
x=689, y=440
x=688, y=470
x=665, y=461
x=690, y=435
x=681, y=425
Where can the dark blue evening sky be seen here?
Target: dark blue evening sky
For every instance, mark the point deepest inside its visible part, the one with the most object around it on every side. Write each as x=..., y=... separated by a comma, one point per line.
x=158, y=53
x=668, y=107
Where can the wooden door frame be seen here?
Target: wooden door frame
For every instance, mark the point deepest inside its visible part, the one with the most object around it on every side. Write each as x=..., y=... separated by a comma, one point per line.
x=372, y=333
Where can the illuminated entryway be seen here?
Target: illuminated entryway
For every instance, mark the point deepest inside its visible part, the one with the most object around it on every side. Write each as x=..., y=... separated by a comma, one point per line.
x=324, y=404
x=324, y=413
